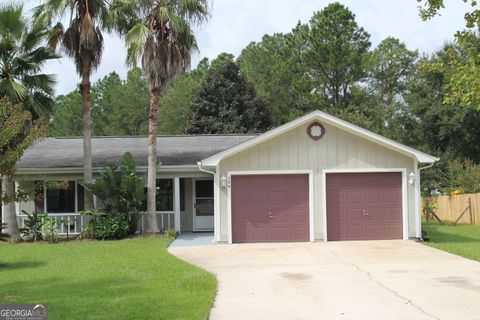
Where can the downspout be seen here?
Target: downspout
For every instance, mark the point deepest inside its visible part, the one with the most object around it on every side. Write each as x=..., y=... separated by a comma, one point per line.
x=216, y=195
x=419, y=171
x=426, y=167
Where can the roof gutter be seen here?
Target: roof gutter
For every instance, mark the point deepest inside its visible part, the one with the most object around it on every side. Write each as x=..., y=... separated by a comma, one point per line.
x=199, y=165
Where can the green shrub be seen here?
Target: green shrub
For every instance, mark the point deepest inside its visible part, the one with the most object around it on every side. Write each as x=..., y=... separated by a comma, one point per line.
x=111, y=227
x=171, y=233
x=33, y=225
x=49, y=228
x=121, y=190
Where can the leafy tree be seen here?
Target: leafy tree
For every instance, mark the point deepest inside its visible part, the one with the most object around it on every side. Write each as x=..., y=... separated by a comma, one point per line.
x=462, y=85
x=177, y=98
x=226, y=103
x=24, y=89
x=275, y=66
x=120, y=107
x=447, y=130
x=391, y=66
x=335, y=53
x=431, y=8
x=67, y=116
x=160, y=32
x=82, y=40
x=14, y=140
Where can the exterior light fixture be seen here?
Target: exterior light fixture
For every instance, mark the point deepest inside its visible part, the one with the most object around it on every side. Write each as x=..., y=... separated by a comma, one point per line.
x=411, y=178
x=223, y=181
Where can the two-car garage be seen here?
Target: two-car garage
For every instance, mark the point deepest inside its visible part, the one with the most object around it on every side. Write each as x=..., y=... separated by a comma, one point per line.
x=317, y=178
x=275, y=207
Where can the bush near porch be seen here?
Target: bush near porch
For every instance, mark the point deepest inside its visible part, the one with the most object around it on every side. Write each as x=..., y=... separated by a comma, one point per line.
x=134, y=278
x=462, y=240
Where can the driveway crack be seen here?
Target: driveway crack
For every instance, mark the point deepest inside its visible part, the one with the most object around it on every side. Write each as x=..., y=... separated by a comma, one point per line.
x=398, y=295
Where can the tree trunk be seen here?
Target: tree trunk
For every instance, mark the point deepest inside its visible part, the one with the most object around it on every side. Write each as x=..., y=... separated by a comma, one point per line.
x=152, y=224
x=9, y=215
x=87, y=134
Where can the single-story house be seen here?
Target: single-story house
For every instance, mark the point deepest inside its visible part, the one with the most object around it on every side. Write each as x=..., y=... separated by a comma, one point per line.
x=315, y=178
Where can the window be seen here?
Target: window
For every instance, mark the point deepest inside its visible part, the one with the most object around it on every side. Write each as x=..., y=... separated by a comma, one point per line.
x=60, y=197
x=204, y=198
x=165, y=195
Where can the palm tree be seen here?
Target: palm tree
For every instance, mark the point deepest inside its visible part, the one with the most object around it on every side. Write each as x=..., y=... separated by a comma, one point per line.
x=82, y=40
x=23, y=53
x=160, y=33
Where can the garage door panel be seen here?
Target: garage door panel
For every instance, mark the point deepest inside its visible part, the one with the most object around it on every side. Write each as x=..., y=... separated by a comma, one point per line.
x=284, y=196
x=354, y=214
x=393, y=197
x=393, y=214
x=353, y=197
x=336, y=213
x=297, y=197
x=391, y=230
x=364, y=206
x=250, y=214
x=375, y=214
x=373, y=197
x=354, y=232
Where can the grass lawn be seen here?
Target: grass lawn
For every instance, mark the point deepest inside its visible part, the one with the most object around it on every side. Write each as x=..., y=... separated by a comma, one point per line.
x=463, y=240
x=127, y=279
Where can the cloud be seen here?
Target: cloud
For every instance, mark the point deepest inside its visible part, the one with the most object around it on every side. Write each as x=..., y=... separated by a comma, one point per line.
x=236, y=23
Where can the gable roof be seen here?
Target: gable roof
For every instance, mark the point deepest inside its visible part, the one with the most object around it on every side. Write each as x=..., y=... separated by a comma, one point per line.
x=420, y=156
x=58, y=153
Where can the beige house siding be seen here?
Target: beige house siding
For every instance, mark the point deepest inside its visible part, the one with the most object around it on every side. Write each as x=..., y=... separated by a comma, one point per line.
x=294, y=150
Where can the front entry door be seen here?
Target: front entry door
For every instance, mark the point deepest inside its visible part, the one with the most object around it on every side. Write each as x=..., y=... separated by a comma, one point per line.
x=203, y=205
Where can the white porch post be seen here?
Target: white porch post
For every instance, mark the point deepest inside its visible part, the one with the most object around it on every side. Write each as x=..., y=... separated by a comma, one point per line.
x=216, y=207
x=176, y=202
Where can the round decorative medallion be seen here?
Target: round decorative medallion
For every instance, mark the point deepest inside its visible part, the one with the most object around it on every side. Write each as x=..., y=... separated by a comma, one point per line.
x=316, y=131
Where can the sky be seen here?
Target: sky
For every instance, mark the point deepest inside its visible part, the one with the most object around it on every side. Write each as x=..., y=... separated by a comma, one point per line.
x=236, y=23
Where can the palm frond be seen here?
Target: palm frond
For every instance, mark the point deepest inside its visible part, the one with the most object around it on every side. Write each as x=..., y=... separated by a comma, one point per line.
x=135, y=40
x=15, y=90
x=23, y=56
x=11, y=20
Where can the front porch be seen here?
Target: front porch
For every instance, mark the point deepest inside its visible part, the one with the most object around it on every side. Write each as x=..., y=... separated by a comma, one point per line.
x=185, y=203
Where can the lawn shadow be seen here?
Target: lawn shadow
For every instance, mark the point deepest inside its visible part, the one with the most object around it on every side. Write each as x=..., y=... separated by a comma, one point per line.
x=439, y=236
x=21, y=265
x=70, y=298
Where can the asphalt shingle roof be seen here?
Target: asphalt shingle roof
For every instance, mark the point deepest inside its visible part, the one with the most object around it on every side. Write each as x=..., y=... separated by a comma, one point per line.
x=171, y=150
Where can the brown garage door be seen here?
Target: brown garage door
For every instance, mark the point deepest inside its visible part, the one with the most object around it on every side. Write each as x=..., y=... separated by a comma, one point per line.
x=364, y=206
x=270, y=208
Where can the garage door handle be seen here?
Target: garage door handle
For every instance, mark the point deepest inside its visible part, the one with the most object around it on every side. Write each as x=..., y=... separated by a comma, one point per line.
x=365, y=213
x=270, y=215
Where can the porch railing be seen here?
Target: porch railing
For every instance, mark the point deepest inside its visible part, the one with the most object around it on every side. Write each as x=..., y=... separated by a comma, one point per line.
x=72, y=223
x=67, y=223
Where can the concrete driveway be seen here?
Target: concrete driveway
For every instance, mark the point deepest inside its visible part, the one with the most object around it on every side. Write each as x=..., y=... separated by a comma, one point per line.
x=338, y=280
